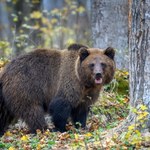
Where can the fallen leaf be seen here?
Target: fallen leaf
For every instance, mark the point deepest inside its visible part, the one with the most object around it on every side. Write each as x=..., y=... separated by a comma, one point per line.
x=24, y=138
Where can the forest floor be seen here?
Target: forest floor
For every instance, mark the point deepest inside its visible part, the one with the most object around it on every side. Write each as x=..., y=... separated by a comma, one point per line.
x=111, y=109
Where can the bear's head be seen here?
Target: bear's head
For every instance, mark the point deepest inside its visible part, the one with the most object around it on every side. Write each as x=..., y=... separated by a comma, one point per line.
x=95, y=66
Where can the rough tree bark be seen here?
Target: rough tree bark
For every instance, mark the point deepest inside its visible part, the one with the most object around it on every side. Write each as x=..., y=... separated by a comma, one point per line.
x=139, y=49
x=139, y=66
x=139, y=52
x=110, y=27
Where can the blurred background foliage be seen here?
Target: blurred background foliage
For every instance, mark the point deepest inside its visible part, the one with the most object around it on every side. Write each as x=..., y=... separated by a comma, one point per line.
x=29, y=24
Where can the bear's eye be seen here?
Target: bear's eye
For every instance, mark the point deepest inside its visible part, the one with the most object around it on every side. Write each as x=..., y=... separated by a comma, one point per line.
x=103, y=65
x=91, y=65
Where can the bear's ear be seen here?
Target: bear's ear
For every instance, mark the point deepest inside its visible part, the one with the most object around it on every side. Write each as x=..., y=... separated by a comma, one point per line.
x=83, y=53
x=76, y=47
x=110, y=52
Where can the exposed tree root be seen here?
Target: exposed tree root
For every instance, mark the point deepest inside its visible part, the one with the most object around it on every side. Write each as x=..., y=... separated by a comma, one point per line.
x=117, y=132
x=122, y=127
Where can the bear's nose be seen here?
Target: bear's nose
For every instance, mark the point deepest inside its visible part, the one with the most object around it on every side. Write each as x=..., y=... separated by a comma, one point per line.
x=98, y=75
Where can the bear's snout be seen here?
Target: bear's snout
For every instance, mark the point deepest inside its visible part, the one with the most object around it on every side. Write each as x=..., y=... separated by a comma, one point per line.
x=98, y=78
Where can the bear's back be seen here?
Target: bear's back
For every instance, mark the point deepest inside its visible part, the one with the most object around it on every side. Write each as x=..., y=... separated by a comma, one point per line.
x=39, y=73
x=31, y=75
x=37, y=62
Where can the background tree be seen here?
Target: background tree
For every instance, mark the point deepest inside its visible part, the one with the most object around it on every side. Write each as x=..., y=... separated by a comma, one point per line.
x=139, y=66
x=26, y=25
x=109, y=21
x=110, y=27
x=139, y=52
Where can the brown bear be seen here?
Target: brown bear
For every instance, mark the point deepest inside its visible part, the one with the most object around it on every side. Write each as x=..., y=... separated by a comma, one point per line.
x=63, y=83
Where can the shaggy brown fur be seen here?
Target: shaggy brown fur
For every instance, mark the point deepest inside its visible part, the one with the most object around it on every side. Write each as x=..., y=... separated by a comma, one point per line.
x=76, y=46
x=61, y=82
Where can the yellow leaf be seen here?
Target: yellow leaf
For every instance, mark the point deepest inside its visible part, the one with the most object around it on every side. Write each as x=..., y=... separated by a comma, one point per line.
x=47, y=132
x=64, y=136
x=45, y=20
x=134, y=110
x=131, y=127
x=11, y=148
x=115, y=136
x=143, y=107
x=35, y=1
x=76, y=136
x=73, y=12
x=124, y=147
x=142, y=115
x=81, y=9
x=15, y=19
x=88, y=134
x=70, y=41
x=143, y=126
x=54, y=20
x=55, y=11
x=128, y=135
x=145, y=113
x=135, y=140
x=44, y=30
x=126, y=73
x=24, y=138
x=38, y=147
x=14, y=1
x=36, y=15
x=97, y=143
x=138, y=132
x=8, y=133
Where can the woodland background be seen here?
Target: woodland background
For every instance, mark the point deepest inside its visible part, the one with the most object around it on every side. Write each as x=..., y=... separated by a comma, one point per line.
x=30, y=24
x=120, y=119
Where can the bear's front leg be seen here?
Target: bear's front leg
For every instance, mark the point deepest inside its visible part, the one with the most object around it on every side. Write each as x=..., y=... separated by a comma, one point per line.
x=60, y=110
x=79, y=115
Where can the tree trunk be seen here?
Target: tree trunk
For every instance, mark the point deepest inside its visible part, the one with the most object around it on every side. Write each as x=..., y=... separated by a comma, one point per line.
x=110, y=27
x=139, y=66
x=25, y=9
x=139, y=52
